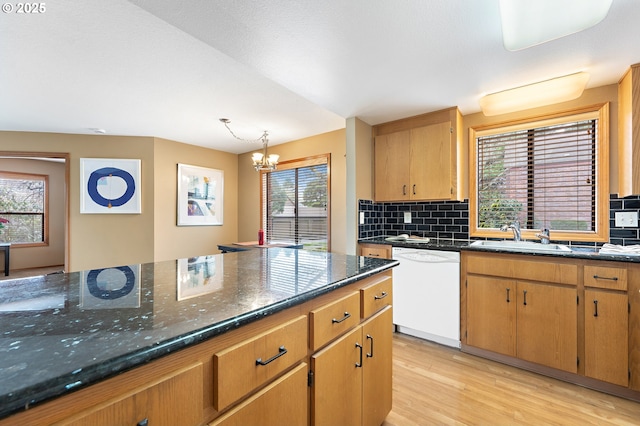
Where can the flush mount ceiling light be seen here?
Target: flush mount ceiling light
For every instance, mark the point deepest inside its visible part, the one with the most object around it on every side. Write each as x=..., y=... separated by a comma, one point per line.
x=526, y=23
x=261, y=160
x=535, y=95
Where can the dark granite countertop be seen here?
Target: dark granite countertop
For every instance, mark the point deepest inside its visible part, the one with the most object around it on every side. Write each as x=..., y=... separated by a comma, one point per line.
x=432, y=244
x=65, y=331
x=458, y=245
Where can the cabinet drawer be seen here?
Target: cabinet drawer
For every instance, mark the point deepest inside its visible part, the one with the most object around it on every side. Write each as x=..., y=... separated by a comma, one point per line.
x=375, y=250
x=522, y=267
x=243, y=367
x=611, y=277
x=375, y=296
x=283, y=402
x=330, y=321
x=169, y=400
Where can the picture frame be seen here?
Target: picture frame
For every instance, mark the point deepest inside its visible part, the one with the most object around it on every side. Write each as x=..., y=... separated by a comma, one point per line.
x=200, y=196
x=110, y=186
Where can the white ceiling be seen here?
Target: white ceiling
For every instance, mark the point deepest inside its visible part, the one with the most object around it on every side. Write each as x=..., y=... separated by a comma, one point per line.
x=296, y=68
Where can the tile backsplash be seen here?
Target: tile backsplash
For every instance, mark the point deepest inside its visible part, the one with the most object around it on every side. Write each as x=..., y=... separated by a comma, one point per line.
x=435, y=219
x=450, y=219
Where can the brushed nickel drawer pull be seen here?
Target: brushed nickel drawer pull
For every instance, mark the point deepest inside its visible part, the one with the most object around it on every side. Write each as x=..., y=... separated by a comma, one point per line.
x=346, y=315
x=281, y=351
x=597, y=277
x=382, y=296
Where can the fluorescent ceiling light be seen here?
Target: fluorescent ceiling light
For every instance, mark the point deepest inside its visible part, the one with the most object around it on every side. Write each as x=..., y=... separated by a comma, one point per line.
x=526, y=23
x=535, y=95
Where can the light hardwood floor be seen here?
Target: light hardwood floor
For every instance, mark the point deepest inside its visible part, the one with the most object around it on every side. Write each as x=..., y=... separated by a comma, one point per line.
x=437, y=385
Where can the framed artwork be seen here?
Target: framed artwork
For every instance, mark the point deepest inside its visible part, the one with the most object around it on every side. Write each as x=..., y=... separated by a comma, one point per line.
x=109, y=185
x=198, y=276
x=110, y=288
x=200, y=195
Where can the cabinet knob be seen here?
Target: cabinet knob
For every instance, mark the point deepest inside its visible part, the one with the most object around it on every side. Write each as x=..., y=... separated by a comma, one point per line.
x=143, y=422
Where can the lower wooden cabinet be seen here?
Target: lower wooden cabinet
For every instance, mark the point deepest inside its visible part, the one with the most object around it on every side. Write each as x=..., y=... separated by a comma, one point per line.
x=547, y=325
x=170, y=401
x=606, y=343
x=352, y=376
x=532, y=321
x=283, y=402
x=548, y=314
x=491, y=314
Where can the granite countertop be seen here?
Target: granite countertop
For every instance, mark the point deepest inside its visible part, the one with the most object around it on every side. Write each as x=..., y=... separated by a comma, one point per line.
x=62, y=332
x=458, y=245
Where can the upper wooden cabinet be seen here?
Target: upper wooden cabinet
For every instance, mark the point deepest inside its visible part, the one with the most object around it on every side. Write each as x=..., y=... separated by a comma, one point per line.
x=417, y=158
x=629, y=133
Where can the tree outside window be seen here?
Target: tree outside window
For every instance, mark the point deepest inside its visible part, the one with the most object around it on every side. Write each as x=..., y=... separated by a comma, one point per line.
x=23, y=207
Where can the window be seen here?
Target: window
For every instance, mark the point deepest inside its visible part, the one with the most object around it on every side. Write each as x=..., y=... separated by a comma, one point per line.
x=23, y=202
x=295, y=203
x=550, y=173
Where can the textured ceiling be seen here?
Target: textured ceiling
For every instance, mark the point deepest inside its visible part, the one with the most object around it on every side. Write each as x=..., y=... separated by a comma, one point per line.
x=171, y=69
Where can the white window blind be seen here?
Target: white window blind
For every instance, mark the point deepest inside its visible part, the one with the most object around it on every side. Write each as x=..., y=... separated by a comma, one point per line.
x=544, y=177
x=295, y=204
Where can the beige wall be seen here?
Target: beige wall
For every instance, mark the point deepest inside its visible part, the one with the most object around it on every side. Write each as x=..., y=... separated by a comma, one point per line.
x=171, y=241
x=594, y=96
x=53, y=253
x=99, y=240
x=249, y=184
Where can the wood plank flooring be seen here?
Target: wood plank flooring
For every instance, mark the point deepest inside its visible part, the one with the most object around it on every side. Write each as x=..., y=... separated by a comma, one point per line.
x=437, y=385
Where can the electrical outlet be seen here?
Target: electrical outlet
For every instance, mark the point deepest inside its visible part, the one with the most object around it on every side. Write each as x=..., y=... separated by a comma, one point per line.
x=627, y=219
x=407, y=217
x=361, y=218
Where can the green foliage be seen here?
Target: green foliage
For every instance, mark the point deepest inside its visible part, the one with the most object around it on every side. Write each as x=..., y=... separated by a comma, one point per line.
x=495, y=208
x=315, y=193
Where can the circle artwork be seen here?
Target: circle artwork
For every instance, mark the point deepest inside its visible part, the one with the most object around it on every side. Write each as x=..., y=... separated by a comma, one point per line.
x=105, y=294
x=101, y=177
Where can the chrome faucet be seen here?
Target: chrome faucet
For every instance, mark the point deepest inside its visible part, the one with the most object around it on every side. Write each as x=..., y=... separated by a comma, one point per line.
x=545, y=236
x=515, y=227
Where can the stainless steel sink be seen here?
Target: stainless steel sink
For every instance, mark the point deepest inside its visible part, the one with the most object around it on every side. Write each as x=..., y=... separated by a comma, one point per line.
x=528, y=246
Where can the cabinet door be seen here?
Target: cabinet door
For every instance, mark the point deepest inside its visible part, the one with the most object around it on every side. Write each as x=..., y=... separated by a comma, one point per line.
x=606, y=336
x=336, y=394
x=377, y=376
x=491, y=314
x=430, y=167
x=391, y=171
x=284, y=402
x=176, y=399
x=547, y=330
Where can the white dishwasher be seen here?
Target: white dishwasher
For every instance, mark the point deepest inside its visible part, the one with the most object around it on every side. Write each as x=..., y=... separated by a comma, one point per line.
x=426, y=294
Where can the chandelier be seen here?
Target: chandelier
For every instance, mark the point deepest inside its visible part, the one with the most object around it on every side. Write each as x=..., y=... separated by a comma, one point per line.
x=261, y=160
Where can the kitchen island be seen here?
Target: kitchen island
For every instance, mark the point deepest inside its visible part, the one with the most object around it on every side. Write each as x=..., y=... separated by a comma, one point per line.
x=120, y=338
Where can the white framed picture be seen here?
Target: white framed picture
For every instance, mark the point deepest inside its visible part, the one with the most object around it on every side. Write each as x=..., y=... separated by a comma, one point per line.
x=200, y=195
x=109, y=185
